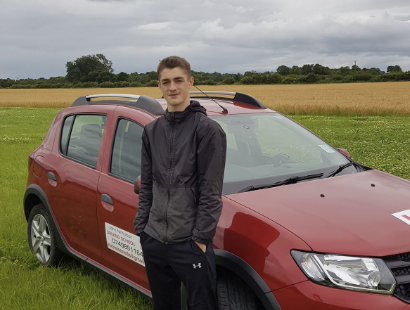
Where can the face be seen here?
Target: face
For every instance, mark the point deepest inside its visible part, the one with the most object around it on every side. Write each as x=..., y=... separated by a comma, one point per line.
x=174, y=85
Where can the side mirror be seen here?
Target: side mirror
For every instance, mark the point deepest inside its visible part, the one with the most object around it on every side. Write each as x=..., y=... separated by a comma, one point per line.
x=137, y=185
x=344, y=152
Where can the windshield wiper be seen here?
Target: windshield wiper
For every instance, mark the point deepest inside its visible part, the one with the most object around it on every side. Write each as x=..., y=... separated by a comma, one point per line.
x=290, y=180
x=338, y=170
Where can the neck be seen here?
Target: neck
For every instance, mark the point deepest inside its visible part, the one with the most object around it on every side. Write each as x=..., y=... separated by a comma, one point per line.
x=178, y=108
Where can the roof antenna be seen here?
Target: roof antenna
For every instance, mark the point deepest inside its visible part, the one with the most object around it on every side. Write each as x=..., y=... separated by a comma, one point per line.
x=224, y=110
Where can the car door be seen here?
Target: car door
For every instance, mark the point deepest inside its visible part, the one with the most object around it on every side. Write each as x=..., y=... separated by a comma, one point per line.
x=73, y=172
x=117, y=206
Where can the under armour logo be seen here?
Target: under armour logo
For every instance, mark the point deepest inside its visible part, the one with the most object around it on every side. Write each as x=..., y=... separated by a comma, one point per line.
x=199, y=265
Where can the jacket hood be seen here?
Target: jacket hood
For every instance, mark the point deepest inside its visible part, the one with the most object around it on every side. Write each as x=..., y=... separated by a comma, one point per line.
x=194, y=107
x=349, y=214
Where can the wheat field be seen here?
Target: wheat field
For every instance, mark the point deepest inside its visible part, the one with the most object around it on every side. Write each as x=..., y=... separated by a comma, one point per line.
x=316, y=99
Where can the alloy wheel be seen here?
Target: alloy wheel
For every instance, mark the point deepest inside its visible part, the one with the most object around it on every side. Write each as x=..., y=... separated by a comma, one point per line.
x=40, y=238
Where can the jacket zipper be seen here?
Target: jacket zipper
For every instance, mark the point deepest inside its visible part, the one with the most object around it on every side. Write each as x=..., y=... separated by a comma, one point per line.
x=169, y=175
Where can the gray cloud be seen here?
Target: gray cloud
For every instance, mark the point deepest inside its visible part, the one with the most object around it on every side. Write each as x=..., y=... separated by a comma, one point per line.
x=111, y=0
x=39, y=37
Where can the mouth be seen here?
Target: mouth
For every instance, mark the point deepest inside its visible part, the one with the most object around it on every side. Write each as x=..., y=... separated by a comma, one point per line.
x=173, y=95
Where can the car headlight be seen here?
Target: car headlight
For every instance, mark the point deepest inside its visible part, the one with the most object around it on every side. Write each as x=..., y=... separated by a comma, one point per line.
x=352, y=273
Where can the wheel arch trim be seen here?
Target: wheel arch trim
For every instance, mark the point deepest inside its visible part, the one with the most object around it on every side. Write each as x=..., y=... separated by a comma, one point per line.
x=242, y=269
x=34, y=189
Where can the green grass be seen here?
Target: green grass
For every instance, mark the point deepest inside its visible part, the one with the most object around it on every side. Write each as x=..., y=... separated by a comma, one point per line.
x=379, y=142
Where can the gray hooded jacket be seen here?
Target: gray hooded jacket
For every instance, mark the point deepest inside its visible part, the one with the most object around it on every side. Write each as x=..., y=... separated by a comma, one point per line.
x=182, y=168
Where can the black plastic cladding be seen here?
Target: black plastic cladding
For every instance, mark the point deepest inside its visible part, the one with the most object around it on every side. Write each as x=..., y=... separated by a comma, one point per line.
x=143, y=102
x=400, y=267
x=239, y=97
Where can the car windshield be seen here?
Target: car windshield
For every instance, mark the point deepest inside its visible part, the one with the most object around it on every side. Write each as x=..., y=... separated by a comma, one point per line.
x=267, y=148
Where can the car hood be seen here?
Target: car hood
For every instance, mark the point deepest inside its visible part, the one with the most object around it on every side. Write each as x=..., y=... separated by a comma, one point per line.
x=349, y=214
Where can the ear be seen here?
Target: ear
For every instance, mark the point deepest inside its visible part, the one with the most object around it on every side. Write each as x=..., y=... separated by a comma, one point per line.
x=191, y=81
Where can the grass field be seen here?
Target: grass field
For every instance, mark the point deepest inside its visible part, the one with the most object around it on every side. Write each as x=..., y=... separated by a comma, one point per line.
x=357, y=99
x=382, y=142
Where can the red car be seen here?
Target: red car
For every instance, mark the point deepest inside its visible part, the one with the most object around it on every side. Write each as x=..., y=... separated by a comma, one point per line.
x=303, y=226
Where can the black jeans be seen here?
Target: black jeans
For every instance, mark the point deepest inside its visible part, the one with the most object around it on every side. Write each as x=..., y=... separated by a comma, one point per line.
x=169, y=264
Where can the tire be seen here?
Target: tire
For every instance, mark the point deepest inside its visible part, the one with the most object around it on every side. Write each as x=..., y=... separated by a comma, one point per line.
x=234, y=294
x=42, y=236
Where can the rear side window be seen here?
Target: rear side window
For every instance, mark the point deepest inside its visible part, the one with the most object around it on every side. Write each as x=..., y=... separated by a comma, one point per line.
x=65, y=132
x=81, y=140
x=126, y=155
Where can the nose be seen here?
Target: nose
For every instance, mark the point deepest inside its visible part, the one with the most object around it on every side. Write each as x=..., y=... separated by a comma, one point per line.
x=173, y=86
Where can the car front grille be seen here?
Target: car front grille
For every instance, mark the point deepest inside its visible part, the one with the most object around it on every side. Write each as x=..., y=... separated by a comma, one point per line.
x=400, y=267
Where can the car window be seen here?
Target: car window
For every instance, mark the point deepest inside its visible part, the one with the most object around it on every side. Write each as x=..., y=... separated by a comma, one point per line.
x=276, y=138
x=85, y=138
x=126, y=154
x=230, y=137
x=269, y=147
x=64, y=134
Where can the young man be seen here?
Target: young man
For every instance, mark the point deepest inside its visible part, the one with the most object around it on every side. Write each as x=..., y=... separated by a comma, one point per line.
x=182, y=167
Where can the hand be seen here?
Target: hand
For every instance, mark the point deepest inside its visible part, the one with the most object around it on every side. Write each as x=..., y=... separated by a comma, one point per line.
x=202, y=246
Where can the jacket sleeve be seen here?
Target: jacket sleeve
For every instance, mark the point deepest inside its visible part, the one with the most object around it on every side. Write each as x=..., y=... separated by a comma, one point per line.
x=211, y=155
x=145, y=194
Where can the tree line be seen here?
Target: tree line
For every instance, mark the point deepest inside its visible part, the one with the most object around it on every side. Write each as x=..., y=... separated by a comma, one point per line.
x=96, y=71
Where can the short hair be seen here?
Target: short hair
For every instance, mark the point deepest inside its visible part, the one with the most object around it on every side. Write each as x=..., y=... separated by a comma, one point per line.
x=172, y=62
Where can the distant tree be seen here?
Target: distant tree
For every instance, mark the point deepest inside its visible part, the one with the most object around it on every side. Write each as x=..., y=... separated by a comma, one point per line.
x=296, y=70
x=356, y=68
x=343, y=71
x=90, y=68
x=248, y=80
x=362, y=76
x=373, y=71
x=104, y=76
x=208, y=82
x=273, y=78
x=107, y=85
x=250, y=73
x=135, y=84
x=321, y=70
x=7, y=82
x=228, y=81
x=290, y=79
x=395, y=68
x=306, y=69
x=122, y=76
x=134, y=77
x=152, y=83
x=310, y=78
x=146, y=77
x=283, y=70
x=122, y=84
x=90, y=84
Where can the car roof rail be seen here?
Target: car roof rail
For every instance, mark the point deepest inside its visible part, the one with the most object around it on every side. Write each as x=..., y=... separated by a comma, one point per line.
x=142, y=102
x=239, y=97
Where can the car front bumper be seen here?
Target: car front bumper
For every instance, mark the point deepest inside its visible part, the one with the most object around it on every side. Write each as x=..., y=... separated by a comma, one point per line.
x=308, y=295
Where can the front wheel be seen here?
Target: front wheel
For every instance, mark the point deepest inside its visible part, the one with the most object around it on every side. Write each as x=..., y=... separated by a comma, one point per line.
x=234, y=294
x=42, y=237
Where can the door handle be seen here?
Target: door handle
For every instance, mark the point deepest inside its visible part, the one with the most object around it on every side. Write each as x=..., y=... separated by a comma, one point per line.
x=107, y=202
x=51, y=176
x=107, y=199
x=52, y=180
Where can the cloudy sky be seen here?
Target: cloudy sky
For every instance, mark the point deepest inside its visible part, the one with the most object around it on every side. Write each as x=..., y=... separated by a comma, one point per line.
x=38, y=37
